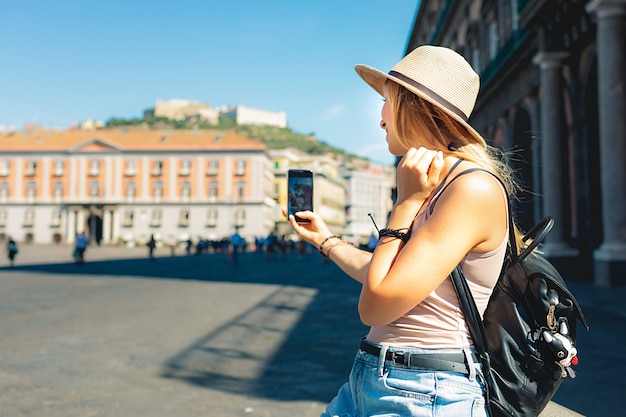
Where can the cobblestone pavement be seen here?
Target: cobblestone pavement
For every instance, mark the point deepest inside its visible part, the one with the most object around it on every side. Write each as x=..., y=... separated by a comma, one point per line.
x=186, y=336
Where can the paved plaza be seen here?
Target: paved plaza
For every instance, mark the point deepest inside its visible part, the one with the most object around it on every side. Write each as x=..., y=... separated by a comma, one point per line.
x=182, y=336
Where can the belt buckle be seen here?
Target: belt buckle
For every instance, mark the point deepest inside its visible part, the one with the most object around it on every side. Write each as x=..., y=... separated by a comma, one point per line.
x=399, y=357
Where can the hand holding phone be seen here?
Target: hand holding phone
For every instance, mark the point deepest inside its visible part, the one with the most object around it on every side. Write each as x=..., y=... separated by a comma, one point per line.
x=299, y=192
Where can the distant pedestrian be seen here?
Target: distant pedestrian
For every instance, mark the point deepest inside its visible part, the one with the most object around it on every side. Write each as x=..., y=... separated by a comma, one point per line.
x=236, y=242
x=270, y=246
x=12, y=250
x=151, y=246
x=80, y=247
x=302, y=249
x=282, y=247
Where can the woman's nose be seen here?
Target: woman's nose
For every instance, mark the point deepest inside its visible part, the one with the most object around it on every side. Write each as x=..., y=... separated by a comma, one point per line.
x=383, y=125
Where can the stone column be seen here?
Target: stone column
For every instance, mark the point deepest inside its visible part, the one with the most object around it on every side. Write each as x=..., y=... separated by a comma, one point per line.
x=106, y=226
x=115, y=224
x=610, y=257
x=80, y=221
x=71, y=226
x=553, y=153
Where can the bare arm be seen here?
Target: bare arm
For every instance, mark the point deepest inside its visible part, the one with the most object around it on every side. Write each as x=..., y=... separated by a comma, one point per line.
x=470, y=215
x=353, y=261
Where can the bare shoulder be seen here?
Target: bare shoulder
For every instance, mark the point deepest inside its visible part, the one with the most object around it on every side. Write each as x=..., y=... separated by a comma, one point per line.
x=477, y=200
x=478, y=184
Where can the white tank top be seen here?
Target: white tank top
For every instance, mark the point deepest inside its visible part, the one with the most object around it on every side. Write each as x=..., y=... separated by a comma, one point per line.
x=437, y=322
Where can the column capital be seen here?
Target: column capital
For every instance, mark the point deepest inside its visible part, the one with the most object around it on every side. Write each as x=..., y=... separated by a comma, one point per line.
x=607, y=8
x=550, y=60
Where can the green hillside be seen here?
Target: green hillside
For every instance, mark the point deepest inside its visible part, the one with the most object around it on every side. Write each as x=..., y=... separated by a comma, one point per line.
x=273, y=137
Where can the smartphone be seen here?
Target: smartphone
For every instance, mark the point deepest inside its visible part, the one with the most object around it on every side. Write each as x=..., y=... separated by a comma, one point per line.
x=299, y=192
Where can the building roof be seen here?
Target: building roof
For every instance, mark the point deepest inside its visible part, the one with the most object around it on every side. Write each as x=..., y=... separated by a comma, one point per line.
x=130, y=139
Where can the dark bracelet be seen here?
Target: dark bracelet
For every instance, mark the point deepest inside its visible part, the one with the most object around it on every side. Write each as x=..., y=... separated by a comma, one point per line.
x=397, y=233
x=326, y=240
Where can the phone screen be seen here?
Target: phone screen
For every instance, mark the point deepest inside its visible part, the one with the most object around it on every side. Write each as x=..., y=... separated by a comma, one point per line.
x=299, y=191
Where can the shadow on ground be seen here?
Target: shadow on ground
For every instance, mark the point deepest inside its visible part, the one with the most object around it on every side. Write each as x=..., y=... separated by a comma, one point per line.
x=296, y=344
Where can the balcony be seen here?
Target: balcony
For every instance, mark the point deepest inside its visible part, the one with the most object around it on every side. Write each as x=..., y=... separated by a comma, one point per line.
x=516, y=39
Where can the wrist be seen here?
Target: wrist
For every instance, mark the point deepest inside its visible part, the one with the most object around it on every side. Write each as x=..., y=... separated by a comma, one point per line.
x=410, y=205
x=403, y=234
x=403, y=214
x=325, y=242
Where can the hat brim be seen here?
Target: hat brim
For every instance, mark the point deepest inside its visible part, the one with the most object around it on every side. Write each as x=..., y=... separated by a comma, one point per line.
x=376, y=79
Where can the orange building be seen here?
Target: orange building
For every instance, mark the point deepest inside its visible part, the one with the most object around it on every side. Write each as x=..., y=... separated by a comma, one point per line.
x=128, y=184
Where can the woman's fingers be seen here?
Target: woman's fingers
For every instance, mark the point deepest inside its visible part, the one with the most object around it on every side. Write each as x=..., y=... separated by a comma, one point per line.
x=436, y=167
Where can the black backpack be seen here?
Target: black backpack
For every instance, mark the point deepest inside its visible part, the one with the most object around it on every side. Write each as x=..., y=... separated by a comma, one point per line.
x=526, y=339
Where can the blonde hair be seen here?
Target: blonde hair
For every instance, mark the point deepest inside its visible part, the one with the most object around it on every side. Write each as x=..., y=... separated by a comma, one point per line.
x=414, y=117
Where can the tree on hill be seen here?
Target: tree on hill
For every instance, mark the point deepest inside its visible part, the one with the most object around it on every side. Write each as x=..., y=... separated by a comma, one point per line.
x=273, y=137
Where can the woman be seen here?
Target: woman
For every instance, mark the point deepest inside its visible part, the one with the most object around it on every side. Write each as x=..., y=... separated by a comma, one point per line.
x=417, y=359
x=12, y=250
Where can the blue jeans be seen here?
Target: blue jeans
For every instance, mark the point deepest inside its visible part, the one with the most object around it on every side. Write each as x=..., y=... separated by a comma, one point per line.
x=382, y=388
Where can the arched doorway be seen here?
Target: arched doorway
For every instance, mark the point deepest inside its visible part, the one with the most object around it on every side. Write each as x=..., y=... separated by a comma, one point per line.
x=94, y=225
x=522, y=162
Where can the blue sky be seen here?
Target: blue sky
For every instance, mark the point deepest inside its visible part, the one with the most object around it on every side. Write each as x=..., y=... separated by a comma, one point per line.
x=65, y=61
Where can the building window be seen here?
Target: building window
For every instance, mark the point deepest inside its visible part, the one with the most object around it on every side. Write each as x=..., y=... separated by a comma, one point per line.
x=129, y=217
x=515, y=14
x=493, y=40
x=213, y=168
x=476, y=59
x=94, y=167
x=4, y=168
x=59, y=168
x=240, y=188
x=130, y=190
x=240, y=218
x=131, y=167
x=29, y=217
x=185, y=167
x=58, y=191
x=31, y=191
x=185, y=190
x=157, y=216
x=4, y=215
x=157, y=190
x=241, y=167
x=94, y=189
x=157, y=168
x=213, y=189
x=183, y=218
x=55, y=221
x=31, y=168
x=4, y=191
x=211, y=219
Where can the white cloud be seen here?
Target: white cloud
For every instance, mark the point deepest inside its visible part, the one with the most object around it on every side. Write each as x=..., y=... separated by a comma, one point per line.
x=333, y=112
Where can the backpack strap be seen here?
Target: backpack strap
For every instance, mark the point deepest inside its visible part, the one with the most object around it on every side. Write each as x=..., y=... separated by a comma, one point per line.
x=467, y=303
x=512, y=240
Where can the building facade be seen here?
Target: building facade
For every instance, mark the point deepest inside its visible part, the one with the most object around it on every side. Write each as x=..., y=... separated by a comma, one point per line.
x=369, y=191
x=248, y=116
x=329, y=188
x=552, y=93
x=125, y=185
x=179, y=109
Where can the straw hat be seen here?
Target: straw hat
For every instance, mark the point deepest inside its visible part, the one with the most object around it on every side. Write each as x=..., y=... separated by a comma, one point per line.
x=436, y=74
